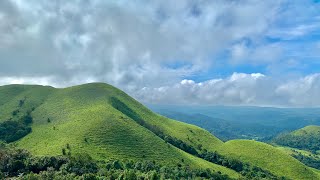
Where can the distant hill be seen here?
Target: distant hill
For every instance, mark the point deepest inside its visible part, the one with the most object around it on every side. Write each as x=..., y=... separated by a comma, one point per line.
x=308, y=130
x=242, y=122
x=307, y=138
x=107, y=124
x=224, y=129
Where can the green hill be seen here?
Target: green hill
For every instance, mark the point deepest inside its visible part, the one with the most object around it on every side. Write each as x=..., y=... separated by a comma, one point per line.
x=307, y=138
x=104, y=122
x=310, y=130
x=306, y=157
x=267, y=157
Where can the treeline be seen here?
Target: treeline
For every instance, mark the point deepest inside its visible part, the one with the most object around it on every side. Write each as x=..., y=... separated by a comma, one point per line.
x=245, y=169
x=310, y=160
x=303, y=141
x=20, y=164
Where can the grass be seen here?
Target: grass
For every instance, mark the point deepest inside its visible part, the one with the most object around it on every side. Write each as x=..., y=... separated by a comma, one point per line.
x=295, y=151
x=83, y=118
x=86, y=118
x=307, y=138
x=308, y=130
x=269, y=158
x=11, y=95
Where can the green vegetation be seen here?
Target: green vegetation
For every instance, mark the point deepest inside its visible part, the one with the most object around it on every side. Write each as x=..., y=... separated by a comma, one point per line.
x=11, y=130
x=17, y=100
x=311, y=160
x=98, y=123
x=247, y=170
x=268, y=158
x=85, y=118
x=307, y=138
x=21, y=164
x=302, y=144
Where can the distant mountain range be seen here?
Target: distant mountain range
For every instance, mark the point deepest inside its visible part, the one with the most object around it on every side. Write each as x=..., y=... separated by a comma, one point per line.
x=234, y=122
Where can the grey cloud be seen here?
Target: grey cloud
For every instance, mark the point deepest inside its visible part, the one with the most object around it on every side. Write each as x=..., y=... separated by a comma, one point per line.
x=118, y=41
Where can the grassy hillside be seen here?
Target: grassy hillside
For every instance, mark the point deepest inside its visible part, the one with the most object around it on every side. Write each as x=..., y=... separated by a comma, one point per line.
x=307, y=138
x=21, y=98
x=306, y=157
x=267, y=157
x=308, y=130
x=302, y=144
x=106, y=123
x=294, y=151
x=102, y=121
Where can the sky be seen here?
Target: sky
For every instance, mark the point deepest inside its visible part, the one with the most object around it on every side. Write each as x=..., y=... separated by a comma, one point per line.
x=201, y=52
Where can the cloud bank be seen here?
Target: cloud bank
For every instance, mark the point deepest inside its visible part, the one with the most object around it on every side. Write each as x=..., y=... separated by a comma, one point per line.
x=239, y=89
x=147, y=46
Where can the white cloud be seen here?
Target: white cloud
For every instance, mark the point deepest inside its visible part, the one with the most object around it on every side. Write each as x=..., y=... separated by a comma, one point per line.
x=302, y=92
x=264, y=53
x=19, y=80
x=153, y=44
x=239, y=89
x=120, y=42
x=48, y=81
x=295, y=32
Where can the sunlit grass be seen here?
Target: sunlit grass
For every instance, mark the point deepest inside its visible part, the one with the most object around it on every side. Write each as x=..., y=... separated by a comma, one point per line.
x=267, y=157
x=82, y=118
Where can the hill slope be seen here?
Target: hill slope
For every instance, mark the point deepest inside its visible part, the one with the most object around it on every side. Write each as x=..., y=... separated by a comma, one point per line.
x=308, y=130
x=106, y=123
x=102, y=121
x=307, y=138
x=267, y=157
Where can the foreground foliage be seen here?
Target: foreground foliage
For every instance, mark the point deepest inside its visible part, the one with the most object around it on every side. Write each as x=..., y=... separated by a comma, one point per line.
x=21, y=164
